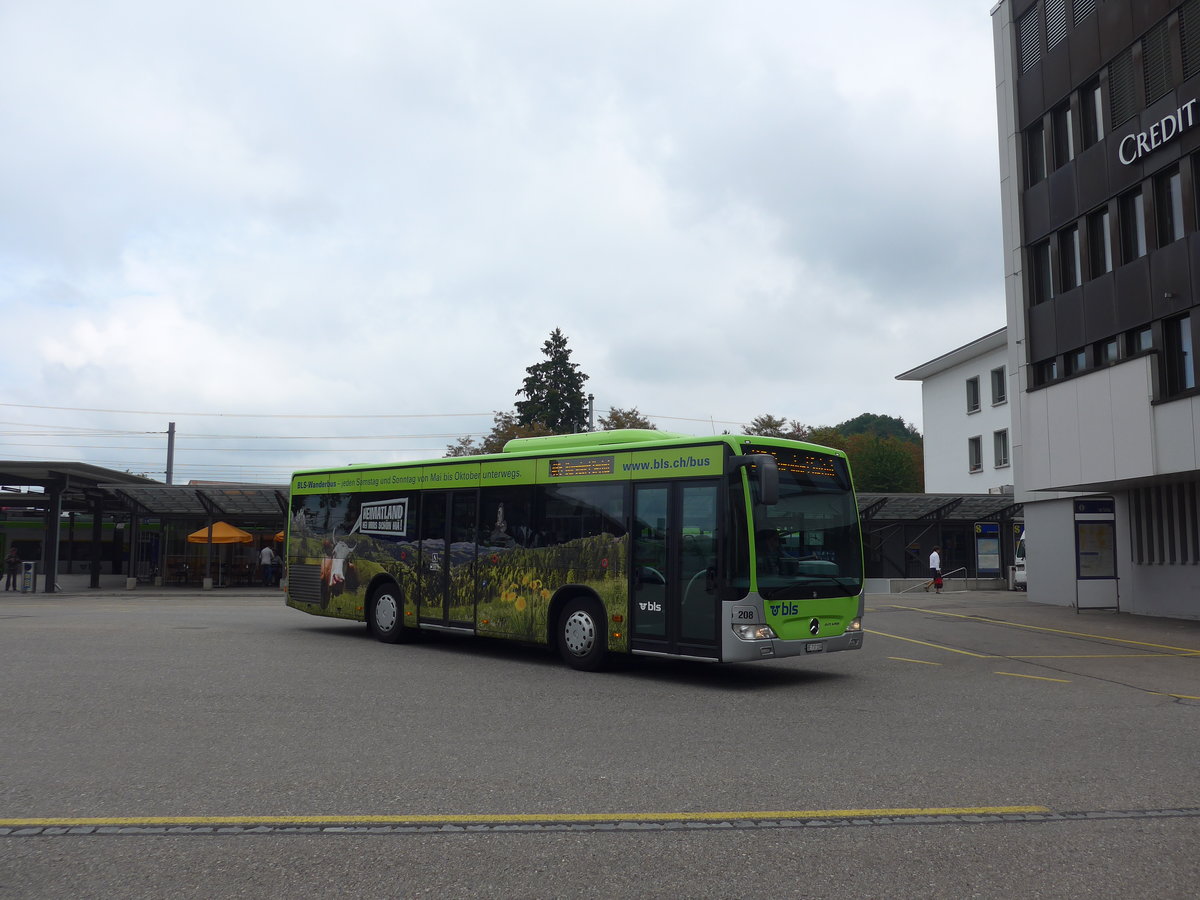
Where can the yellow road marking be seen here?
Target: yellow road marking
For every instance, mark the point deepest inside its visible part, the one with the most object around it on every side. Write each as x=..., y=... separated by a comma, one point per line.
x=1187, y=651
x=1097, y=656
x=935, y=646
x=553, y=818
x=921, y=661
x=1035, y=677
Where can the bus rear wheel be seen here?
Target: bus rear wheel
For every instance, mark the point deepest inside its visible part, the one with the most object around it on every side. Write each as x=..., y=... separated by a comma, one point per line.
x=387, y=615
x=582, y=635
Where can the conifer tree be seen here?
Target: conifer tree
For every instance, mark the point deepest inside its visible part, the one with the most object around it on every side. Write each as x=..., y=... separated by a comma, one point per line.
x=553, y=391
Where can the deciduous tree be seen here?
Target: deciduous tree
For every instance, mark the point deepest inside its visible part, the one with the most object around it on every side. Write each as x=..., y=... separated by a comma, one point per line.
x=624, y=418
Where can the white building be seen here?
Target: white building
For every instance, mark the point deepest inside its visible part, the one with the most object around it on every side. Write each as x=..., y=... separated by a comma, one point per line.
x=967, y=418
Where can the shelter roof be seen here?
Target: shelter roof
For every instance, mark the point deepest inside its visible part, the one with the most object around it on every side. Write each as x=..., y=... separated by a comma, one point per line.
x=956, y=507
x=242, y=502
x=79, y=483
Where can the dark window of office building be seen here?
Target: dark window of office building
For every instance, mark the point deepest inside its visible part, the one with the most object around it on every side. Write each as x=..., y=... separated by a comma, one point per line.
x=1156, y=61
x=1168, y=204
x=1107, y=351
x=1075, y=362
x=1045, y=372
x=1064, y=135
x=1091, y=113
x=1189, y=30
x=1177, y=358
x=973, y=394
x=1138, y=340
x=1084, y=8
x=1122, y=103
x=975, y=454
x=1029, y=46
x=1070, y=270
x=1099, y=243
x=1035, y=154
x=1056, y=22
x=1133, y=226
x=1041, y=286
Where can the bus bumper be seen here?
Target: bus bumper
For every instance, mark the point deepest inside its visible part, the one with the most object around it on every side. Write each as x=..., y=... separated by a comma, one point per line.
x=736, y=649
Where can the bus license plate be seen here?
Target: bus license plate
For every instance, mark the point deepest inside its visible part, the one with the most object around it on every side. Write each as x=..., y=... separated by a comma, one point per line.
x=813, y=648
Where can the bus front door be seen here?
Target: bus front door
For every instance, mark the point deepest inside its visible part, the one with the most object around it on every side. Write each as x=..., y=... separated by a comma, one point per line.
x=674, y=599
x=447, y=569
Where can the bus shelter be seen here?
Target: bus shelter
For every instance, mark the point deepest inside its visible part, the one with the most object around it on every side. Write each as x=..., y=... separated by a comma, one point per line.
x=57, y=491
x=901, y=530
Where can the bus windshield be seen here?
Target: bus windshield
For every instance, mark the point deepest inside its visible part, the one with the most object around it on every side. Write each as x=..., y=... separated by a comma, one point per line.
x=807, y=544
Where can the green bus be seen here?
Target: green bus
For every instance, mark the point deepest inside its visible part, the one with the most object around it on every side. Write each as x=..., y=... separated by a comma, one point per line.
x=726, y=548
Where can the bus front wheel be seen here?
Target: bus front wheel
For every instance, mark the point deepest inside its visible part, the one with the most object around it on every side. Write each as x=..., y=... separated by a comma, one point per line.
x=582, y=635
x=387, y=615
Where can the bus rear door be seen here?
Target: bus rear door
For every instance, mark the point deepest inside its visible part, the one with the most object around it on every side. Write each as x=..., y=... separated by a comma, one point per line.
x=447, y=574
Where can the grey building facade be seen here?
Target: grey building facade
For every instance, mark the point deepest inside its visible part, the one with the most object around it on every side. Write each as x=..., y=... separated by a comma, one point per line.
x=1099, y=112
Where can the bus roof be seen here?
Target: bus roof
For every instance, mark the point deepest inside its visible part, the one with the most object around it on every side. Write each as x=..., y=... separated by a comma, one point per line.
x=592, y=439
x=617, y=439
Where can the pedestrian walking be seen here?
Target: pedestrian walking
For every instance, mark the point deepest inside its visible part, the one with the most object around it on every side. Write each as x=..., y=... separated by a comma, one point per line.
x=935, y=571
x=266, y=562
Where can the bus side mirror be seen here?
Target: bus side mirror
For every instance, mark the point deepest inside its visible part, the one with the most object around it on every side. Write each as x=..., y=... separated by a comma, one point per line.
x=764, y=471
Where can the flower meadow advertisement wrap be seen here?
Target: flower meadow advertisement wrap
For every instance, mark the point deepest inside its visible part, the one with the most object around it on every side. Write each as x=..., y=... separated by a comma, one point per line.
x=488, y=560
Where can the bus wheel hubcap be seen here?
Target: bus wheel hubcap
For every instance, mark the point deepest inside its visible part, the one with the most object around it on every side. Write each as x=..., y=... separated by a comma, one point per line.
x=386, y=612
x=580, y=633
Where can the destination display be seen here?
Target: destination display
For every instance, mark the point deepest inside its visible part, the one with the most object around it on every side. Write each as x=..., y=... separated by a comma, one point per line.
x=576, y=466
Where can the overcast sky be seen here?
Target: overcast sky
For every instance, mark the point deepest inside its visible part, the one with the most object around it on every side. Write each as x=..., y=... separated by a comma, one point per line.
x=250, y=218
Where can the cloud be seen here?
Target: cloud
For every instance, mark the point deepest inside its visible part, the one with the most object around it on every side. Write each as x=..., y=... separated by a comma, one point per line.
x=378, y=208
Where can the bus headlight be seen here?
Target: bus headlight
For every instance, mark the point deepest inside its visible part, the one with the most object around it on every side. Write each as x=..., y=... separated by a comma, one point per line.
x=754, y=632
x=855, y=625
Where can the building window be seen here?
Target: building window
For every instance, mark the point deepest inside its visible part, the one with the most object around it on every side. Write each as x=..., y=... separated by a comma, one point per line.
x=1070, y=270
x=1075, y=362
x=1122, y=99
x=1091, y=113
x=1064, y=135
x=1029, y=43
x=1041, y=286
x=1107, y=351
x=1168, y=203
x=1035, y=154
x=1045, y=372
x=1133, y=226
x=1099, y=243
x=975, y=454
x=1139, y=340
x=973, y=394
x=1083, y=8
x=1189, y=33
x=1000, y=447
x=1179, y=364
x=1156, y=61
x=999, y=386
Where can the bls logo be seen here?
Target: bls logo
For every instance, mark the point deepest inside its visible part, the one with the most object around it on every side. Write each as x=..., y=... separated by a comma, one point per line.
x=650, y=607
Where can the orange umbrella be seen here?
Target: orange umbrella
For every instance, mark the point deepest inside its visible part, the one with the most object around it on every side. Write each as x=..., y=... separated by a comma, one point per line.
x=222, y=533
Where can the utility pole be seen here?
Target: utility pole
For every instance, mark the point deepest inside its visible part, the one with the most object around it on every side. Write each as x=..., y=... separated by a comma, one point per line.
x=170, y=452
x=591, y=412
